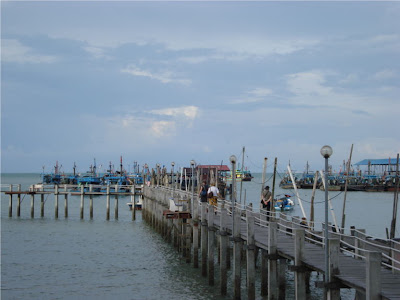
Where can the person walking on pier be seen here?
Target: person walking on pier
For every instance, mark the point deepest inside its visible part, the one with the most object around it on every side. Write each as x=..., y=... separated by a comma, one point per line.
x=213, y=191
x=203, y=192
x=266, y=199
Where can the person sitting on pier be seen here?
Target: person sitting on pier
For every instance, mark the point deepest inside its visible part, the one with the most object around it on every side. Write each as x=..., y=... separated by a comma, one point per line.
x=213, y=194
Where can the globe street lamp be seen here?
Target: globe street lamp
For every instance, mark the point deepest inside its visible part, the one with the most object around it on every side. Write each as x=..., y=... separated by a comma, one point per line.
x=192, y=164
x=326, y=152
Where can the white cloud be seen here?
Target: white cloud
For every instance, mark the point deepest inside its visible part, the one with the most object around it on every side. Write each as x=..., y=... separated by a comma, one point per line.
x=189, y=112
x=308, y=83
x=261, y=92
x=163, y=128
x=255, y=95
x=385, y=74
x=163, y=76
x=13, y=51
x=97, y=52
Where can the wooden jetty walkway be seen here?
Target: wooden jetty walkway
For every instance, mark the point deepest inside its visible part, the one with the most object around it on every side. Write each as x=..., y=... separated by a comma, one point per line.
x=206, y=235
x=370, y=267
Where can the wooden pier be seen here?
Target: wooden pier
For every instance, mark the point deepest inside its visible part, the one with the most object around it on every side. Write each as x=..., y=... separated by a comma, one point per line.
x=211, y=238
x=371, y=268
x=65, y=191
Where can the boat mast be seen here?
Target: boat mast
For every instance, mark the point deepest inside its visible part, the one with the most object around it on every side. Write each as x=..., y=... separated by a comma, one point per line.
x=241, y=181
x=395, y=201
x=345, y=189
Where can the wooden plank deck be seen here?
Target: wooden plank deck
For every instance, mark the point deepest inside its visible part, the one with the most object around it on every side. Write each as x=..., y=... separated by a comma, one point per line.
x=352, y=271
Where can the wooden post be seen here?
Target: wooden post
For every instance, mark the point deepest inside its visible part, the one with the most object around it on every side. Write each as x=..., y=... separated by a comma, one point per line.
x=42, y=204
x=91, y=202
x=188, y=242
x=133, y=196
x=211, y=245
x=250, y=254
x=272, y=261
x=237, y=249
x=19, y=202
x=204, y=239
x=264, y=272
x=359, y=242
x=108, y=203
x=65, y=202
x=116, y=203
x=32, y=205
x=223, y=251
x=56, y=201
x=10, y=203
x=334, y=249
x=300, y=283
x=195, y=235
x=82, y=200
x=282, y=278
x=373, y=280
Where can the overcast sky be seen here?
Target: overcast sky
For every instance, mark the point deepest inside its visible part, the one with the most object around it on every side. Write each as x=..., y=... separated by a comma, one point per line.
x=158, y=82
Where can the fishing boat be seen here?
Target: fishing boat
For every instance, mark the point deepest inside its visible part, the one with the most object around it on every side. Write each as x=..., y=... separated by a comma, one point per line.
x=284, y=203
x=240, y=176
x=306, y=181
x=286, y=182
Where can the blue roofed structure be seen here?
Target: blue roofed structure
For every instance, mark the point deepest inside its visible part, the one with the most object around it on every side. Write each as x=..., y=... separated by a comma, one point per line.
x=377, y=162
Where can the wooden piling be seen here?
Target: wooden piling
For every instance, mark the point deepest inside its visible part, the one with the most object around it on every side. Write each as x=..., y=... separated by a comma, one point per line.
x=82, y=201
x=133, y=195
x=32, y=205
x=19, y=202
x=65, y=202
x=42, y=204
x=10, y=205
x=204, y=240
x=250, y=254
x=237, y=249
x=334, y=250
x=299, y=279
x=56, y=201
x=108, y=203
x=116, y=203
x=282, y=266
x=211, y=245
x=373, y=280
x=223, y=235
x=90, y=202
x=272, y=261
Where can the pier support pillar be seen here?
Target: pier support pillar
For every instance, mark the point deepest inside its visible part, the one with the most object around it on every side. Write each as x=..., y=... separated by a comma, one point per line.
x=108, y=203
x=82, y=201
x=196, y=243
x=299, y=279
x=272, y=261
x=19, y=202
x=56, y=201
x=282, y=266
x=264, y=272
x=204, y=240
x=133, y=200
x=65, y=202
x=250, y=255
x=334, y=249
x=90, y=202
x=42, y=204
x=32, y=205
x=373, y=280
x=10, y=206
x=116, y=203
x=237, y=251
x=211, y=245
x=223, y=235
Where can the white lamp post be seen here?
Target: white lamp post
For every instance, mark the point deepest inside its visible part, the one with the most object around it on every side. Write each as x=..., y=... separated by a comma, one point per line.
x=192, y=164
x=172, y=179
x=326, y=152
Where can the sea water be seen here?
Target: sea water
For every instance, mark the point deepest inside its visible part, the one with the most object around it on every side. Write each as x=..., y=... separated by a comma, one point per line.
x=48, y=258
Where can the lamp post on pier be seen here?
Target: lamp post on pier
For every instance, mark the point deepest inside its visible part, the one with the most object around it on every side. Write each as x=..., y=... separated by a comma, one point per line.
x=172, y=179
x=326, y=152
x=233, y=191
x=192, y=164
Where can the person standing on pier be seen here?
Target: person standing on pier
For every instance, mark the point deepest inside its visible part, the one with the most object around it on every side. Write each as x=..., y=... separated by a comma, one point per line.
x=213, y=191
x=203, y=192
x=266, y=199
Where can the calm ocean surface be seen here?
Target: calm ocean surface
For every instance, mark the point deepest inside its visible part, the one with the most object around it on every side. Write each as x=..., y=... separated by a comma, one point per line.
x=45, y=258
